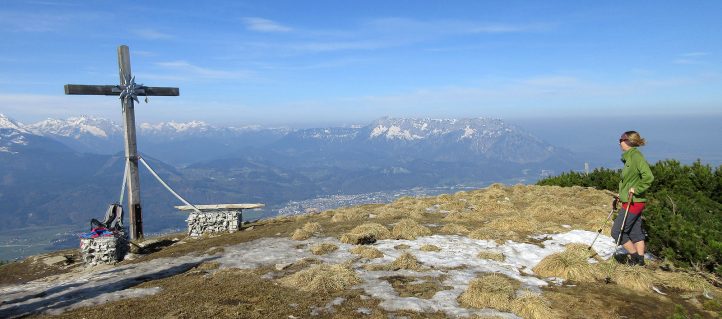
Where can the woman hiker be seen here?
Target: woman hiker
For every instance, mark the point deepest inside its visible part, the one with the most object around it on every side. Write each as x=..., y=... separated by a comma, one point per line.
x=636, y=179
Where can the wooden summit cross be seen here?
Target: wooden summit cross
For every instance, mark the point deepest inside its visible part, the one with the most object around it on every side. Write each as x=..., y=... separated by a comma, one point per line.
x=128, y=91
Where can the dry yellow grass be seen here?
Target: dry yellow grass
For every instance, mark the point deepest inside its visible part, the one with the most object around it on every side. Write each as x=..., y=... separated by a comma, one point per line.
x=428, y=247
x=312, y=227
x=458, y=205
x=634, y=278
x=493, y=208
x=682, y=281
x=459, y=217
x=407, y=261
x=409, y=229
x=324, y=248
x=402, y=247
x=454, y=229
x=366, y=234
x=548, y=211
x=367, y=252
x=307, y=231
x=515, y=222
x=327, y=214
x=485, y=233
x=529, y=305
x=570, y=264
x=349, y=214
x=300, y=234
x=518, y=211
x=395, y=212
x=322, y=278
x=490, y=291
x=491, y=255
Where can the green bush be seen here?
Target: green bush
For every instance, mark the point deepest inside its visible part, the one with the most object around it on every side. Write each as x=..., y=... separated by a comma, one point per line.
x=684, y=213
x=680, y=313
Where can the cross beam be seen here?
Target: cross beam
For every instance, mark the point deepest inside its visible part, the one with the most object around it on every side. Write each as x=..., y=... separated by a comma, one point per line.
x=128, y=91
x=79, y=89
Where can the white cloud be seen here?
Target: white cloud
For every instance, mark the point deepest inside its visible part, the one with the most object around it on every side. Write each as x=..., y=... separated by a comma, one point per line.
x=144, y=53
x=325, y=46
x=450, y=27
x=548, y=94
x=685, y=61
x=42, y=20
x=509, y=28
x=264, y=25
x=380, y=33
x=695, y=54
x=691, y=58
x=33, y=22
x=551, y=81
x=33, y=107
x=187, y=70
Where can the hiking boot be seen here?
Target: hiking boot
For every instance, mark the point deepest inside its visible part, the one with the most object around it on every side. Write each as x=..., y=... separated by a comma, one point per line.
x=636, y=260
x=639, y=260
x=621, y=258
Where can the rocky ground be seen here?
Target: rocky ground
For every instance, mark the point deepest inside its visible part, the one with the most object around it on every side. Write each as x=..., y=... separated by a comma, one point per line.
x=498, y=252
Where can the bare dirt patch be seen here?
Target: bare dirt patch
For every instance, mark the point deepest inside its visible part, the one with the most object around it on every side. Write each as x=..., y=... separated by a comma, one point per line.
x=421, y=287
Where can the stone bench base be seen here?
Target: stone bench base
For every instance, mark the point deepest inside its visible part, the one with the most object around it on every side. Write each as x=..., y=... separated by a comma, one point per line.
x=220, y=218
x=104, y=250
x=214, y=222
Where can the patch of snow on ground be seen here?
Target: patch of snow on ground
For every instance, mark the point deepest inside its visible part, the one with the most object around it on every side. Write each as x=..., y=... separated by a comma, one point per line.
x=267, y=251
x=108, y=297
x=456, y=252
x=457, y=261
x=93, y=286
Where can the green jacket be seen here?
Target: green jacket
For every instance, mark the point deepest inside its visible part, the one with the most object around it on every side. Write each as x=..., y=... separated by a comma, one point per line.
x=636, y=173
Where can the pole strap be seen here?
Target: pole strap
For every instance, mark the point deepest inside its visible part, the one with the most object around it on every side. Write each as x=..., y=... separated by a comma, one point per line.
x=166, y=185
x=125, y=182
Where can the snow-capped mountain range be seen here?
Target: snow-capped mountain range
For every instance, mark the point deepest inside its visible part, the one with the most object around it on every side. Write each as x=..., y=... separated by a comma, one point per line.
x=11, y=134
x=440, y=138
x=76, y=127
x=15, y=138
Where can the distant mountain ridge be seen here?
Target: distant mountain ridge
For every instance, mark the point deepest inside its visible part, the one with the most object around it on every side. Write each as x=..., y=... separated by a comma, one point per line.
x=440, y=138
x=66, y=171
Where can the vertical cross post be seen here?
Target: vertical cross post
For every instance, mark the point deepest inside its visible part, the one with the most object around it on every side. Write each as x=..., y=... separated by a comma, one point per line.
x=128, y=91
x=131, y=147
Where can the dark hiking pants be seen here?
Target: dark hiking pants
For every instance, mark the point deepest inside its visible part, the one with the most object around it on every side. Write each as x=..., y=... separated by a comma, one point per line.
x=632, y=228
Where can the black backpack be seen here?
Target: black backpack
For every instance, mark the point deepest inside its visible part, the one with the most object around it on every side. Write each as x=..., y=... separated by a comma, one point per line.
x=113, y=218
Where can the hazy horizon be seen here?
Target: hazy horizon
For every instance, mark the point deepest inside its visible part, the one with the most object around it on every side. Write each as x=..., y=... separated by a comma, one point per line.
x=682, y=137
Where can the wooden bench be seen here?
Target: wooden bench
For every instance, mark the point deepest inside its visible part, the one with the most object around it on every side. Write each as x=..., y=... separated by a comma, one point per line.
x=216, y=218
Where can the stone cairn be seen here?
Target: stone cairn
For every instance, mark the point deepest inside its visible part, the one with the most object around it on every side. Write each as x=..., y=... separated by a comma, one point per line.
x=104, y=250
x=218, y=218
x=214, y=222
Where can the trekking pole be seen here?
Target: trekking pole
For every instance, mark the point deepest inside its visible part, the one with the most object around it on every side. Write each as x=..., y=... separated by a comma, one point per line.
x=611, y=211
x=624, y=221
x=621, y=231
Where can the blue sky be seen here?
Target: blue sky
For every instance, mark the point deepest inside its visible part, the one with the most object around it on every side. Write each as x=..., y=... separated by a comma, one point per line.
x=345, y=62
